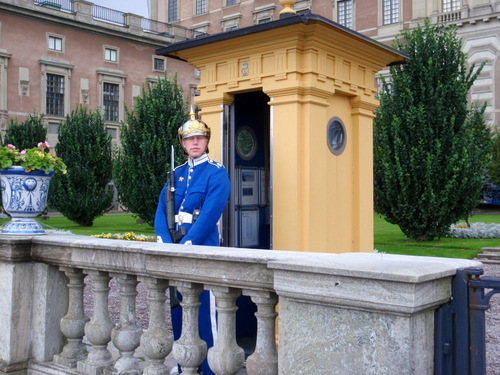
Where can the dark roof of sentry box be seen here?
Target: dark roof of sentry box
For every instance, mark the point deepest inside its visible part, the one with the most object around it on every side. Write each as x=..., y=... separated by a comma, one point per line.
x=286, y=20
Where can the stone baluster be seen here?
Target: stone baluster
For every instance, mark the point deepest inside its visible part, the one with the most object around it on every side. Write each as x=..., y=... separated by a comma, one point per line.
x=264, y=360
x=189, y=350
x=73, y=323
x=126, y=334
x=226, y=357
x=98, y=330
x=157, y=341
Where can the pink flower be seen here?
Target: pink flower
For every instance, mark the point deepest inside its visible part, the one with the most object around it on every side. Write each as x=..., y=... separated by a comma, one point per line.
x=23, y=152
x=11, y=146
x=43, y=145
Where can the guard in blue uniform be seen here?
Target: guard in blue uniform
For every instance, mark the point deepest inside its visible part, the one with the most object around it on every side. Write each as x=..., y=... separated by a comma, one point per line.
x=202, y=190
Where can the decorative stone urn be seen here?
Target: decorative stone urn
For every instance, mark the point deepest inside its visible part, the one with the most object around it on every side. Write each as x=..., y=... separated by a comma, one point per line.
x=24, y=196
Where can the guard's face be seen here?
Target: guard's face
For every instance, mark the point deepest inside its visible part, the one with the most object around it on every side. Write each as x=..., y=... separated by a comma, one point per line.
x=195, y=146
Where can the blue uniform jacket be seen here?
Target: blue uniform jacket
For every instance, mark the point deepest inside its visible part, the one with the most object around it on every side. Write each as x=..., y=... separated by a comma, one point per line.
x=200, y=183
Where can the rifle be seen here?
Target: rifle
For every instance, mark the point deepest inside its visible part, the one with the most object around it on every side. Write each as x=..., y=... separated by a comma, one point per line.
x=176, y=235
x=174, y=301
x=171, y=197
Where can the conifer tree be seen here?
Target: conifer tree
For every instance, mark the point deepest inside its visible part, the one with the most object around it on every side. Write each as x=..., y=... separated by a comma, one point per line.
x=430, y=148
x=26, y=134
x=85, y=146
x=142, y=164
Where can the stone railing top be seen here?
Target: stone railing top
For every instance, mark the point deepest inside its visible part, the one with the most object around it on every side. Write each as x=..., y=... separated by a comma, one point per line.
x=369, y=281
x=379, y=266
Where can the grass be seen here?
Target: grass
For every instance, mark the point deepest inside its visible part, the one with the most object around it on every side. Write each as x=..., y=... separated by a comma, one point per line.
x=388, y=237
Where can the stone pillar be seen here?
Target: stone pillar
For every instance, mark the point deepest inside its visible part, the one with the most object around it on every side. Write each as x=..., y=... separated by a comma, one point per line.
x=126, y=335
x=157, y=341
x=73, y=323
x=264, y=360
x=373, y=313
x=226, y=357
x=98, y=330
x=190, y=350
x=25, y=304
x=83, y=10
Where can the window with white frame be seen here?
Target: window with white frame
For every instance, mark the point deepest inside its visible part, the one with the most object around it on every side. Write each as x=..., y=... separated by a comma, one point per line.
x=390, y=11
x=55, y=43
x=345, y=13
x=231, y=2
x=172, y=10
x=200, y=6
x=111, y=54
x=451, y=5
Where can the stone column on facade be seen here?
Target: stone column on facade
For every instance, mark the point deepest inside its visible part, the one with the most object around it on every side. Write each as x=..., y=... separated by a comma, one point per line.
x=134, y=23
x=189, y=350
x=126, y=334
x=157, y=341
x=98, y=330
x=82, y=10
x=264, y=360
x=226, y=357
x=73, y=323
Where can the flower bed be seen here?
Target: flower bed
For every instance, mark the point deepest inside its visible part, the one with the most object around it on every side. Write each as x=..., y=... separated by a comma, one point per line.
x=129, y=236
x=476, y=230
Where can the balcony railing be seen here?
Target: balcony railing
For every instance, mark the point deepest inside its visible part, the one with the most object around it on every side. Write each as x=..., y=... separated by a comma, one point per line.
x=62, y=5
x=119, y=18
x=357, y=313
x=108, y=15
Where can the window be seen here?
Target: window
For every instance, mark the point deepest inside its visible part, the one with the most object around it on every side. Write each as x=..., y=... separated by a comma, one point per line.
x=111, y=100
x=172, y=10
x=451, y=5
x=52, y=133
x=55, y=43
x=344, y=13
x=263, y=14
x=55, y=95
x=201, y=6
x=110, y=54
x=231, y=2
x=391, y=11
x=231, y=22
x=158, y=64
x=55, y=88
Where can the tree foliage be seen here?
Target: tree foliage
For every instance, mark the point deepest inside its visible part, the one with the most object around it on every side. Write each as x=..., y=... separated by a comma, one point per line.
x=430, y=148
x=142, y=164
x=85, y=146
x=26, y=134
x=494, y=167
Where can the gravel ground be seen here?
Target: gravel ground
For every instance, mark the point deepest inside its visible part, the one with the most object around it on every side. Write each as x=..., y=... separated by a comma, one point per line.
x=493, y=326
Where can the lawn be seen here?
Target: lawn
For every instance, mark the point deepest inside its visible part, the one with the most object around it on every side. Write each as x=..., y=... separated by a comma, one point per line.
x=388, y=237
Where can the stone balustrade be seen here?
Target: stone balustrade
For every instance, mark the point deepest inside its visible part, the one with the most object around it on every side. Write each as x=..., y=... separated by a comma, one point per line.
x=338, y=313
